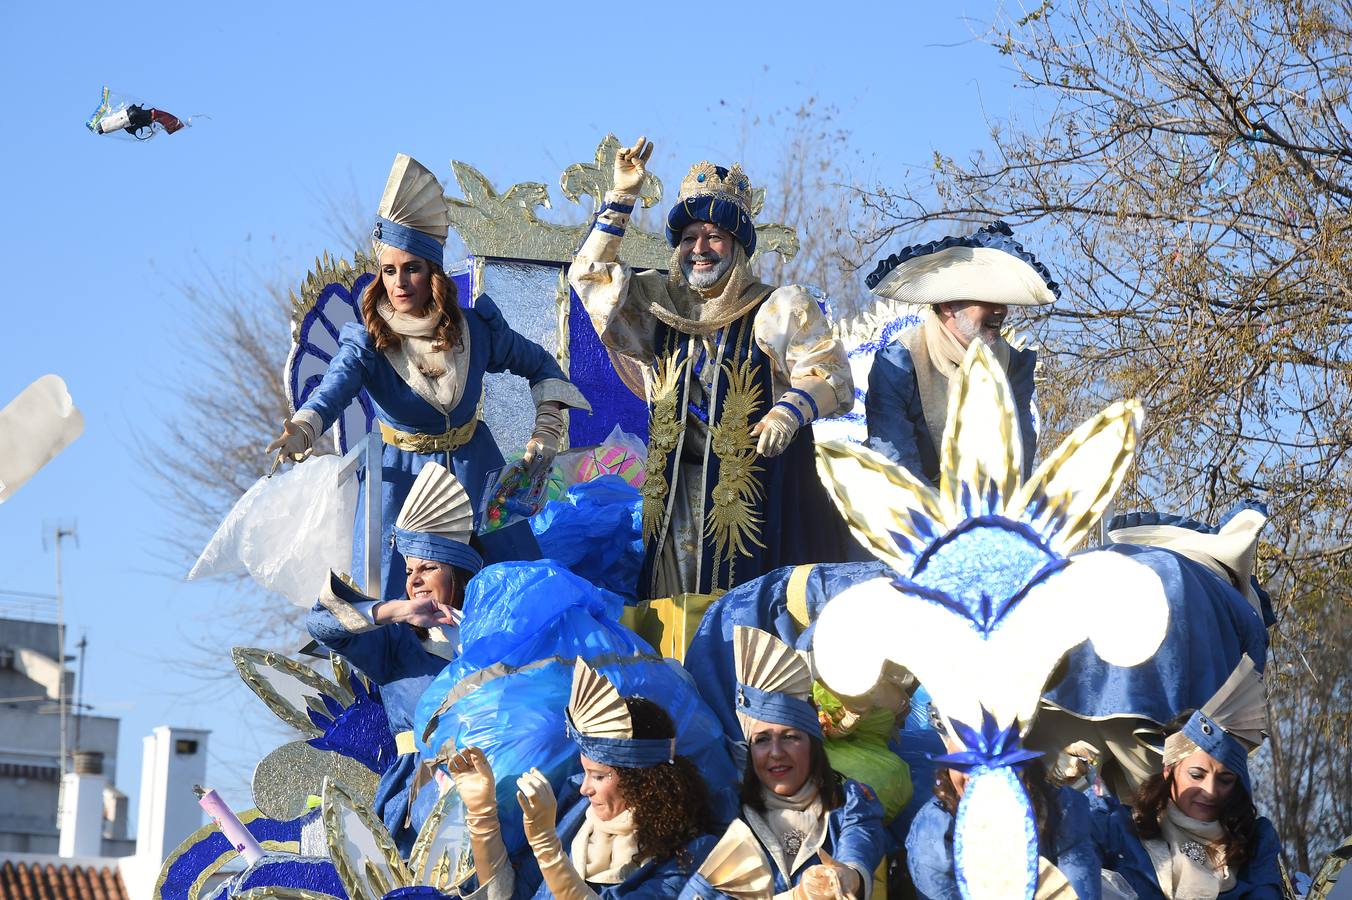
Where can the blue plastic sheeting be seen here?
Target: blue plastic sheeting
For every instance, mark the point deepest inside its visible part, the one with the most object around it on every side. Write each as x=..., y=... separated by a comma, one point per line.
x=525, y=624
x=596, y=531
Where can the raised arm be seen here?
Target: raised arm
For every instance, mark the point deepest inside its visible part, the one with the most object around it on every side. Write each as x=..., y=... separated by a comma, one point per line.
x=597, y=276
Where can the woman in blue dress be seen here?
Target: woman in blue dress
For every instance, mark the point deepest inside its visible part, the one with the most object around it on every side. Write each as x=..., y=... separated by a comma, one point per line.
x=422, y=360
x=823, y=834
x=1065, y=836
x=402, y=645
x=1192, y=830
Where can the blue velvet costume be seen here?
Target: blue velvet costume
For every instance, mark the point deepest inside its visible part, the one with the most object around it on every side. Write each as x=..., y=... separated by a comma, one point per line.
x=896, y=418
x=662, y=879
x=1072, y=848
x=494, y=347
x=1210, y=626
x=780, y=494
x=1123, y=852
x=393, y=657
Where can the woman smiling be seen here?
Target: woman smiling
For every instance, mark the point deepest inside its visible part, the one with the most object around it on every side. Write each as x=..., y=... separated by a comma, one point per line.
x=1193, y=831
x=402, y=645
x=824, y=835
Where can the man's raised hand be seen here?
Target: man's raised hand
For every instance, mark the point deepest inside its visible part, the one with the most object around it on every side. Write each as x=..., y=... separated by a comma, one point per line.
x=631, y=166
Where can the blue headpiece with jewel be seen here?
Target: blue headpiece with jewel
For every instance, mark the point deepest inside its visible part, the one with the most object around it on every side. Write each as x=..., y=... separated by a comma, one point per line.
x=412, y=215
x=720, y=196
x=774, y=683
x=1229, y=726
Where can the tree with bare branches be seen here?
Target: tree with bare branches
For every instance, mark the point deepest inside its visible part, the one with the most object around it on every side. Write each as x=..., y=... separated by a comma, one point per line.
x=1193, y=165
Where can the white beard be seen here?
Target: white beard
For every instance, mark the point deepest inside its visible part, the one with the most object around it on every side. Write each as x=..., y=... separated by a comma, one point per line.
x=702, y=281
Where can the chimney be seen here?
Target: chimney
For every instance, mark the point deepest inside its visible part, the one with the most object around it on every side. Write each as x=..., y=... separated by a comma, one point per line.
x=174, y=759
x=114, y=814
x=82, y=806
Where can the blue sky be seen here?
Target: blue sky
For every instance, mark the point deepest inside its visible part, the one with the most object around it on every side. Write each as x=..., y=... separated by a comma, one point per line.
x=308, y=99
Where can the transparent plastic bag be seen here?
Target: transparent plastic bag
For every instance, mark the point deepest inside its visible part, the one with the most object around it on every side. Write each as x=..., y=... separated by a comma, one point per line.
x=287, y=531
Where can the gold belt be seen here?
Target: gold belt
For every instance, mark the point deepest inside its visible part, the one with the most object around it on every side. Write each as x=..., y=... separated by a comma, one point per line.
x=429, y=443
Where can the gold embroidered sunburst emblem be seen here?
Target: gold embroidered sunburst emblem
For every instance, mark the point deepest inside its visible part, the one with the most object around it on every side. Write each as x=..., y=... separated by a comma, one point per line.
x=664, y=432
x=734, y=520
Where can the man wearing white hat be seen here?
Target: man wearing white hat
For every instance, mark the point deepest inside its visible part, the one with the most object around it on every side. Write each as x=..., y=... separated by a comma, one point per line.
x=967, y=284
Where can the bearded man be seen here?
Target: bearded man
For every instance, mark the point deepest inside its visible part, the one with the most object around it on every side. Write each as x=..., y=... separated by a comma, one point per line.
x=966, y=285
x=734, y=372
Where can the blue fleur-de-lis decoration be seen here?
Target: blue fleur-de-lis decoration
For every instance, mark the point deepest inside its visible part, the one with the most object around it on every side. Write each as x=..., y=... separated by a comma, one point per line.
x=985, y=599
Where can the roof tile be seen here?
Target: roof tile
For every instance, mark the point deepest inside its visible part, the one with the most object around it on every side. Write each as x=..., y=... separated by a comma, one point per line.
x=36, y=881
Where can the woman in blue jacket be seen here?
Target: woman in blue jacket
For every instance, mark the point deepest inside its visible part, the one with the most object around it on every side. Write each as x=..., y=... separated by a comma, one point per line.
x=822, y=833
x=1064, y=829
x=1192, y=829
x=422, y=360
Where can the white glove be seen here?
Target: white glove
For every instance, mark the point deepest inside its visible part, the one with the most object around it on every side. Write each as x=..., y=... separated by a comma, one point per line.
x=631, y=166
x=475, y=784
x=775, y=431
x=294, y=441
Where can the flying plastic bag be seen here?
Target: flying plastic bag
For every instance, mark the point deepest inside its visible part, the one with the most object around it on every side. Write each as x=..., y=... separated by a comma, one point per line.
x=287, y=531
x=596, y=530
x=525, y=624
x=34, y=427
x=118, y=114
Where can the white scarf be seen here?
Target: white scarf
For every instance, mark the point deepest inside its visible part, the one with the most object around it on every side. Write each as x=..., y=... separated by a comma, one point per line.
x=1184, y=857
x=605, y=852
x=433, y=374
x=792, y=828
x=937, y=355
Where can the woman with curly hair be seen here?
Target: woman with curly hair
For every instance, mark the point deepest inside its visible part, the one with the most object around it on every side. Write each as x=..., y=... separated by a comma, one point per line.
x=635, y=824
x=422, y=360
x=823, y=834
x=1192, y=830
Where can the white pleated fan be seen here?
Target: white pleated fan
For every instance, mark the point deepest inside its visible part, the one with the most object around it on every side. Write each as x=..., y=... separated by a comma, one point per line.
x=766, y=663
x=1240, y=705
x=736, y=867
x=597, y=709
x=413, y=197
x=438, y=504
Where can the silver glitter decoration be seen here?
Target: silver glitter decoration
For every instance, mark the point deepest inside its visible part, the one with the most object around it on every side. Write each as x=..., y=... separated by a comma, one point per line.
x=526, y=295
x=1193, y=851
x=286, y=778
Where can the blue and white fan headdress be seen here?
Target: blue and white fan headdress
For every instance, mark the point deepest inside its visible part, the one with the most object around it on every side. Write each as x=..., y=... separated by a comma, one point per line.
x=986, y=599
x=1229, y=726
x=774, y=683
x=413, y=214
x=598, y=721
x=437, y=520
